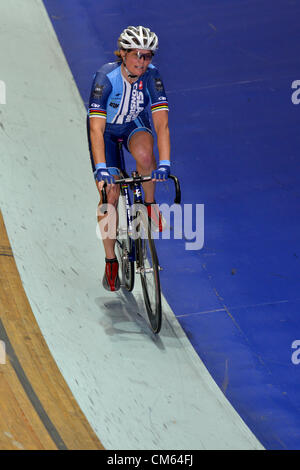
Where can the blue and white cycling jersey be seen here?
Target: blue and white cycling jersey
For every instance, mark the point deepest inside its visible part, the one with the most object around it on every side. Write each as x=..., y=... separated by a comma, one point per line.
x=119, y=102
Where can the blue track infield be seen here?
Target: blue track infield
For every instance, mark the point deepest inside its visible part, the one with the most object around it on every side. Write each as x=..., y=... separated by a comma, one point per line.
x=228, y=68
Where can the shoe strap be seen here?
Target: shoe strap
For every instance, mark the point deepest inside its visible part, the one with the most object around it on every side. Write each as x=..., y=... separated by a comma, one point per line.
x=111, y=260
x=149, y=203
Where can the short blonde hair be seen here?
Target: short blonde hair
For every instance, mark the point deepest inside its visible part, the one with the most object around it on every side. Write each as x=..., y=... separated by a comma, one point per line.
x=118, y=55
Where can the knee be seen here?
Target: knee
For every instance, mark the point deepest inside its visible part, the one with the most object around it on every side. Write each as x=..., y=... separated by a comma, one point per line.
x=146, y=159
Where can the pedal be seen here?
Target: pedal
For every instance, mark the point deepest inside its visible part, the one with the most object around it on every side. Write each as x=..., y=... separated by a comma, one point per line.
x=143, y=270
x=121, y=232
x=146, y=270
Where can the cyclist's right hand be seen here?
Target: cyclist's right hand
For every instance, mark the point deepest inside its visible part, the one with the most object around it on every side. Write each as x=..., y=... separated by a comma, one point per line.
x=103, y=175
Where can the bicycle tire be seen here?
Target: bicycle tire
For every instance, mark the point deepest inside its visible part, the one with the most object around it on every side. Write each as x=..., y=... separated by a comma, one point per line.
x=124, y=248
x=148, y=267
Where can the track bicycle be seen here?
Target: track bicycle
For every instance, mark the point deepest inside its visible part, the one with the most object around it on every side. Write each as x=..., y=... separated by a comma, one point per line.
x=135, y=247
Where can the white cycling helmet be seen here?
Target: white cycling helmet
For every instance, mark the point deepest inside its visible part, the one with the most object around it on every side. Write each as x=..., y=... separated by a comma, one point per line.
x=138, y=37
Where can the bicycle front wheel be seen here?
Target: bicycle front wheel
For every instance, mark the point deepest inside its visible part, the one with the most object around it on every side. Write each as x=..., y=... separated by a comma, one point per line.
x=148, y=268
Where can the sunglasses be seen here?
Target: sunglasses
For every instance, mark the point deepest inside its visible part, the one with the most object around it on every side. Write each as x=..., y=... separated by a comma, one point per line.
x=146, y=56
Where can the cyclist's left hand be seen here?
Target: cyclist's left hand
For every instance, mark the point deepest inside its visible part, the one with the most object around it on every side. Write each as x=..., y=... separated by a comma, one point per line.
x=161, y=173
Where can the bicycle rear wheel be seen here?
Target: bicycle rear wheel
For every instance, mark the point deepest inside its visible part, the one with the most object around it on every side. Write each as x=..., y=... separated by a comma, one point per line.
x=124, y=247
x=148, y=268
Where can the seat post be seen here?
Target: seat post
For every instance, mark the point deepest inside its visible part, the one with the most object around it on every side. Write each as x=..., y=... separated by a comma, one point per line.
x=121, y=154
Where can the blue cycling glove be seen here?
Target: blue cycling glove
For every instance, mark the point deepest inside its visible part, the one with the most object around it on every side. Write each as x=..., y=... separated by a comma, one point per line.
x=163, y=171
x=102, y=174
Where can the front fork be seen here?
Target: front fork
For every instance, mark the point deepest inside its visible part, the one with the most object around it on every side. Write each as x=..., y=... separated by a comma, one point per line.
x=137, y=199
x=125, y=194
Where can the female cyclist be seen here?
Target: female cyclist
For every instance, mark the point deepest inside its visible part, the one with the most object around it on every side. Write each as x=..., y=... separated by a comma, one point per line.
x=121, y=92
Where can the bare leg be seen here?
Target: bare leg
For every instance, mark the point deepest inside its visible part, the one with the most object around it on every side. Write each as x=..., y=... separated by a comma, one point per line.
x=108, y=222
x=141, y=148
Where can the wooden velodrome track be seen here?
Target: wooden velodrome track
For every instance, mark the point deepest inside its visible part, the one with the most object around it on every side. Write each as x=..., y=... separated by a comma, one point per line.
x=38, y=411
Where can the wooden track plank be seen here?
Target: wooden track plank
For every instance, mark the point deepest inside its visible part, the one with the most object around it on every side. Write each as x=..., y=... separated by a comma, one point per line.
x=45, y=388
x=20, y=425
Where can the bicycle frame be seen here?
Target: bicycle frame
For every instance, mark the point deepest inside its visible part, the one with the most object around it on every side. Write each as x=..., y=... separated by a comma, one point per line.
x=137, y=197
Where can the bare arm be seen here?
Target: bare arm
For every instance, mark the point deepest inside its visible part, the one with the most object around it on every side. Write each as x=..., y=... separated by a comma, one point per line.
x=97, y=127
x=161, y=125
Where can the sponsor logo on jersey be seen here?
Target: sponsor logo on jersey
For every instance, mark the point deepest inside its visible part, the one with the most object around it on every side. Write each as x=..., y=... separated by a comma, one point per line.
x=98, y=91
x=141, y=85
x=114, y=105
x=136, y=104
x=95, y=105
x=158, y=84
x=162, y=98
